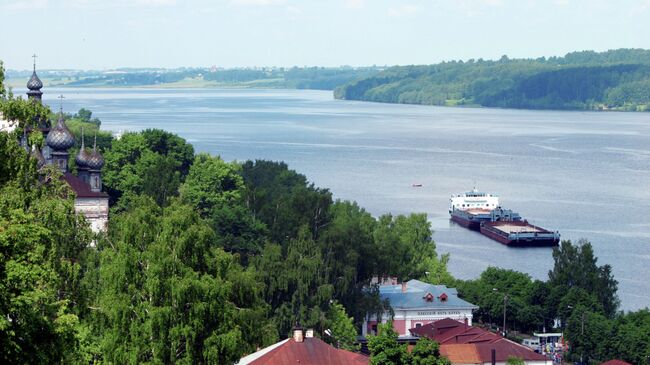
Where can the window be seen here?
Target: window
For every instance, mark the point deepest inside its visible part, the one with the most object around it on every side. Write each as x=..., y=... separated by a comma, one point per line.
x=418, y=325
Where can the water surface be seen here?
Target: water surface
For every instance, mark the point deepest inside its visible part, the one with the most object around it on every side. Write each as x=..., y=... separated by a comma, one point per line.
x=586, y=174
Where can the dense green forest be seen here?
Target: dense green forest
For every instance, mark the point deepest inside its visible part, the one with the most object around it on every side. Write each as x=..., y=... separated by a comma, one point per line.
x=205, y=260
x=612, y=80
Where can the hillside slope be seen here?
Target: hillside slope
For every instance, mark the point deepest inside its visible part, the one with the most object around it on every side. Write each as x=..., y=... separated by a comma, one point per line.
x=616, y=79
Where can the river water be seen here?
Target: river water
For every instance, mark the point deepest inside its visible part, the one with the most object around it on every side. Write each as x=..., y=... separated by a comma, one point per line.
x=586, y=174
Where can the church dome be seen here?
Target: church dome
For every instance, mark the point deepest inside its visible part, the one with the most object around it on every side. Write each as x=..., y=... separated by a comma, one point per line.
x=60, y=138
x=95, y=159
x=83, y=156
x=34, y=83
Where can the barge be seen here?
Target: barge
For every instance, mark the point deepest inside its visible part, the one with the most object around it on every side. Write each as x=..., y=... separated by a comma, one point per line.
x=519, y=233
x=481, y=212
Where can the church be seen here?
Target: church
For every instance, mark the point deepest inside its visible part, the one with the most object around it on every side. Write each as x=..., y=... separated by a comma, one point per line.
x=87, y=184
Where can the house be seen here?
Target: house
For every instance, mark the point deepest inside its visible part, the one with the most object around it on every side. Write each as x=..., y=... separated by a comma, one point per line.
x=303, y=348
x=416, y=303
x=465, y=344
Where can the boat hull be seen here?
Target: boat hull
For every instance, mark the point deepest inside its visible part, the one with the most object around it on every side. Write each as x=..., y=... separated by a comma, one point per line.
x=519, y=234
x=472, y=218
x=473, y=225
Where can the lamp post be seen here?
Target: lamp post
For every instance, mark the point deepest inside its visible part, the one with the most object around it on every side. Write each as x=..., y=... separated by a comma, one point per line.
x=505, y=303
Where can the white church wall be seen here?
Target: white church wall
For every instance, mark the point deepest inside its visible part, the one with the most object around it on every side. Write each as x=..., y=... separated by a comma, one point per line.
x=95, y=210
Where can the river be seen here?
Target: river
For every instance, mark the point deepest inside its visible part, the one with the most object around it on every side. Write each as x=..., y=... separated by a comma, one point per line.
x=586, y=174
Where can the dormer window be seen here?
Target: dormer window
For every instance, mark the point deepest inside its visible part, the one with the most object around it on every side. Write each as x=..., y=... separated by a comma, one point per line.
x=443, y=297
x=429, y=297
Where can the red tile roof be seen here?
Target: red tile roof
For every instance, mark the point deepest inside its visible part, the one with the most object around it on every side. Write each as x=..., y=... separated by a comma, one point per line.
x=463, y=343
x=81, y=188
x=616, y=362
x=461, y=354
x=312, y=351
x=451, y=331
x=506, y=348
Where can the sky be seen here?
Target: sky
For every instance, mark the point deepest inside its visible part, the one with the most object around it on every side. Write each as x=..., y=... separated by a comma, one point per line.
x=105, y=34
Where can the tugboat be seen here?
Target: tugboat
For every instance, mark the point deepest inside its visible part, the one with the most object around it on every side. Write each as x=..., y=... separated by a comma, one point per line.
x=481, y=212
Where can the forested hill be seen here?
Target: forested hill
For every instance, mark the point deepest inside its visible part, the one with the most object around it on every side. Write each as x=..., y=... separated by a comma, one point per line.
x=616, y=79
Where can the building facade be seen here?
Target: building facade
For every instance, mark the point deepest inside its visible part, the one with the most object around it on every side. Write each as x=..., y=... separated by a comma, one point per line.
x=415, y=303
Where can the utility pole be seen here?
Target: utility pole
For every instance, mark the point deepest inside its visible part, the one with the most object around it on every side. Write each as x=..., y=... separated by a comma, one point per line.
x=505, y=303
x=582, y=335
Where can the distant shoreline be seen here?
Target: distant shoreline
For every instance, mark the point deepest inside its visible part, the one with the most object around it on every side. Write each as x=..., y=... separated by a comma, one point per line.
x=206, y=85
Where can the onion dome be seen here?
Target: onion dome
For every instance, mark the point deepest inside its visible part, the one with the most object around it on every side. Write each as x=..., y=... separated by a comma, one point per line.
x=83, y=156
x=34, y=83
x=36, y=154
x=60, y=138
x=95, y=159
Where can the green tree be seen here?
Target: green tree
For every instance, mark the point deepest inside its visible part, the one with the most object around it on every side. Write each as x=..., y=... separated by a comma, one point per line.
x=212, y=183
x=631, y=338
x=151, y=162
x=349, y=253
x=284, y=200
x=41, y=244
x=512, y=360
x=427, y=352
x=342, y=332
x=384, y=348
x=216, y=189
x=294, y=282
x=403, y=245
x=169, y=294
x=589, y=335
x=575, y=266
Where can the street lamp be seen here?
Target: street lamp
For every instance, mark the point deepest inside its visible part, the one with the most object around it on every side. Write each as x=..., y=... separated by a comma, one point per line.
x=505, y=303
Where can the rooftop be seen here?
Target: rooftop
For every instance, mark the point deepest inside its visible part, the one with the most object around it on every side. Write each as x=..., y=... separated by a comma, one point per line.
x=450, y=331
x=464, y=344
x=312, y=351
x=81, y=188
x=417, y=296
x=616, y=362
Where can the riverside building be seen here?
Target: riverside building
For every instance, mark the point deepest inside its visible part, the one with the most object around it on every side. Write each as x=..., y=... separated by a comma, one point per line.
x=416, y=304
